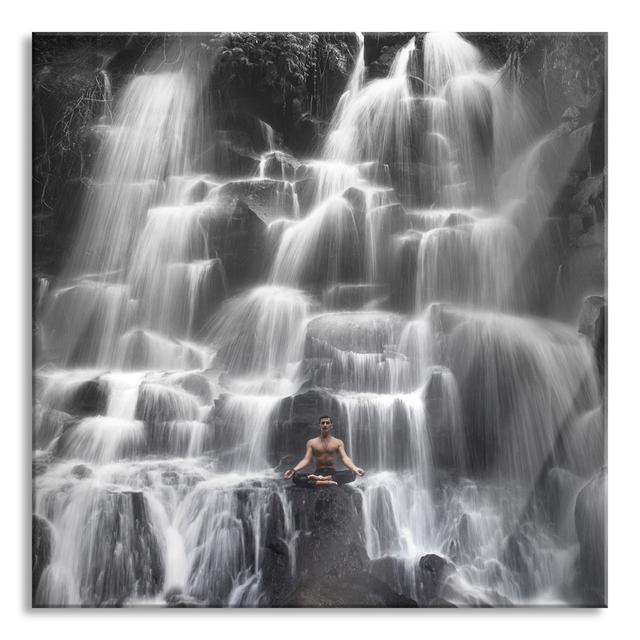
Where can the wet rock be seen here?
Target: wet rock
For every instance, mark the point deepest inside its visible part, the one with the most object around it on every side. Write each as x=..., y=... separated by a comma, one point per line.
x=331, y=538
x=235, y=233
x=88, y=399
x=445, y=426
x=81, y=471
x=39, y=466
x=456, y=218
x=141, y=348
x=592, y=324
x=49, y=424
x=268, y=198
x=224, y=159
x=567, y=151
x=441, y=603
x=297, y=422
x=417, y=184
x=590, y=195
x=362, y=332
x=196, y=384
x=357, y=590
x=245, y=130
x=572, y=113
x=176, y=599
x=306, y=136
x=158, y=403
x=591, y=528
x=129, y=556
x=352, y=296
x=306, y=189
x=540, y=267
x=278, y=165
x=381, y=65
x=276, y=566
x=403, y=285
x=519, y=554
x=331, y=561
x=560, y=490
x=41, y=548
x=582, y=272
x=582, y=443
x=375, y=173
x=432, y=572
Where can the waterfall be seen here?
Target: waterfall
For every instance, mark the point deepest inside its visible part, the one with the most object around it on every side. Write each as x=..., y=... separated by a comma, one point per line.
x=205, y=293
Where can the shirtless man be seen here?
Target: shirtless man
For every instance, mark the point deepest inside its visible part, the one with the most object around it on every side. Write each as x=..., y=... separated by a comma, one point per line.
x=325, y=449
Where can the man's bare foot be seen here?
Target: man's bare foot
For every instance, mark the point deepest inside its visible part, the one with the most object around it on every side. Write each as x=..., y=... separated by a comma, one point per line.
x=312, y=476
x=325, y=483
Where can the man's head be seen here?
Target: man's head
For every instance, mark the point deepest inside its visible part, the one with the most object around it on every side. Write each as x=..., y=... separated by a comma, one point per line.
x=326, y=425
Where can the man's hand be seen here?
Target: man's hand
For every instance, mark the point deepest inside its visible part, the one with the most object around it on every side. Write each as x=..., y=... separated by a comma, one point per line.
x=358, y=471
x=289, y=474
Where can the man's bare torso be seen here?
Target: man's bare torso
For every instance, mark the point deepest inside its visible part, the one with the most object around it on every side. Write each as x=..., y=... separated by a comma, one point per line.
x=325, y=451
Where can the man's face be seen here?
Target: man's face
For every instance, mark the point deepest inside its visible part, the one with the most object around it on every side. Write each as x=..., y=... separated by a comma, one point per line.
x=325, y=426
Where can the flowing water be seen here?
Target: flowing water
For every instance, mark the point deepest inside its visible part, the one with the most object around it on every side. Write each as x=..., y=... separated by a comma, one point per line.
x=400, y=288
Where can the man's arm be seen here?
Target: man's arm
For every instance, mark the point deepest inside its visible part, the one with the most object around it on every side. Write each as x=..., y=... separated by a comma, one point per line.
x=302, y=464
x=348, y=462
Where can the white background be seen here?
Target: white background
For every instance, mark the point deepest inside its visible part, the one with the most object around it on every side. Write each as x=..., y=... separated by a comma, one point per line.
x=21, y=17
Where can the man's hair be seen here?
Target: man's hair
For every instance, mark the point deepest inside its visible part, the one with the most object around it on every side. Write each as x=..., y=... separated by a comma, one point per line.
x=324, y=418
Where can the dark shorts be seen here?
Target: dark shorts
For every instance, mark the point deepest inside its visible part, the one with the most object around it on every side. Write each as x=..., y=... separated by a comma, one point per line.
x=341, y=477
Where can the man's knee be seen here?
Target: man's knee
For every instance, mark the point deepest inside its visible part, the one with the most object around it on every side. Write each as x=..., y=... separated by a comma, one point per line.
x=345, y=476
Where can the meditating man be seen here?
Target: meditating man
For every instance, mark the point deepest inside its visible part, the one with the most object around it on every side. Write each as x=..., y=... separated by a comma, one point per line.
x=325, y=449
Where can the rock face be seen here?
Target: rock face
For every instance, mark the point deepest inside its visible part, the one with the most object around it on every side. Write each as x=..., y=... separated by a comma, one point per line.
x=331, y=561
x=591, y=527
x=358, y=590
x=235, y=233
x=90, y=399
x=592, y=323
x=41, y=547
x=268, y=198
x=298, y=421
x=432, y=571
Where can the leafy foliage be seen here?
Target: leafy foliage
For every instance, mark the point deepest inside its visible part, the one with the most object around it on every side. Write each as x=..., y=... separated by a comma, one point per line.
x=281, y=66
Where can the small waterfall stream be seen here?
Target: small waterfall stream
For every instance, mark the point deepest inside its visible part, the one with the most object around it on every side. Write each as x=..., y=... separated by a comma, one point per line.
x=399, y=288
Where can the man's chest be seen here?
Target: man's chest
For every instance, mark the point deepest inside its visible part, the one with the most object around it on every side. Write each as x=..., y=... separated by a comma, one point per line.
x=320, y=449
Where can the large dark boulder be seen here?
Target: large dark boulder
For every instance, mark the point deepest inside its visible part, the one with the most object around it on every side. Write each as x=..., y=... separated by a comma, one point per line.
x=331, y=560
x=560, y=490
x=297, y=422
x=432, y=573
x=592, y=324
x=582, y=272
x=158, y=403
x=235, y=233
x=48, y=425
x=276, y=563
x=306, y=135
x=88, y=399
x=358, y=590
x=120, y=554
x=331, y=538
x=362, y=332
x=268, y=198
x=41, y=548
x=196, y=384
x=591, y=528
x=278, y=165
x=404, y=270
x=224, y=159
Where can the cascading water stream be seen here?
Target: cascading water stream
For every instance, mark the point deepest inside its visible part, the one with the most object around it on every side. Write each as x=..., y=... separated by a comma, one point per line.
x=394, y=293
